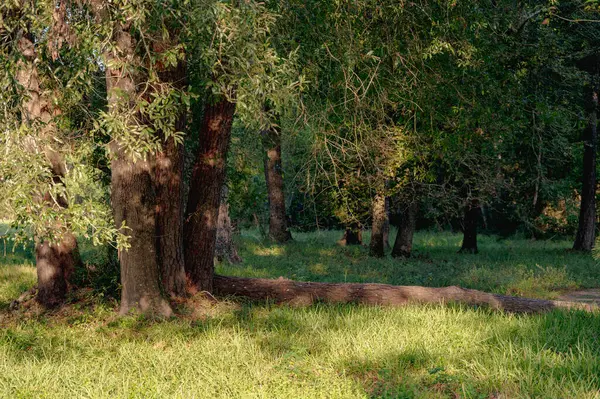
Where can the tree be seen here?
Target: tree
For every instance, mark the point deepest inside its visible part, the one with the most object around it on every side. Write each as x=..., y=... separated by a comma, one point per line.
x=241, y=71
x=406, y=230
x=132, y=193
x=207, y=181
x=586, y=232
x=225, y=249
x=169, y=178
x=39, y=126
x=144, y=65
x=278, y=228
x=377, y=245
x=55, y=261
x=470, y=221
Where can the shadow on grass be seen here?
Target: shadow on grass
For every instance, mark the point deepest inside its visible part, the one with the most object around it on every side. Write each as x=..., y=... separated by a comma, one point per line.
x=465, y=353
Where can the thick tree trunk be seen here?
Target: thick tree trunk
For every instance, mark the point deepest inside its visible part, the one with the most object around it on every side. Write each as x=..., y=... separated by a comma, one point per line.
x=55, y=262
x=225, y=247
x=586, y=231
x=406, y=231
x=170, y=200
x=54, y=265
x=133, y=197
x=305, y=293
x=471, y=218
x=377, y=246
x=278, y=228
x=133, y=201
x=207, y=180
x=169, y=218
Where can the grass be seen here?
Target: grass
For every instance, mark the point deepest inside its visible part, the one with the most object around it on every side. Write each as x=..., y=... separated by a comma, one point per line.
x=234, y=349
x=541, y=269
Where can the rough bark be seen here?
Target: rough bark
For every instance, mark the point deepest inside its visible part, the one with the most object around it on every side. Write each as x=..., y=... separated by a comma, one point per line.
x=278, y=228
x=225, y=246
x=133, y=197
x=406, y=230
x=208, y=176
x=586, y=231
x=377, y=246
x=169, y=218
x=170, y=202
x=307, y=293
x=55, y=261
x=471, y=218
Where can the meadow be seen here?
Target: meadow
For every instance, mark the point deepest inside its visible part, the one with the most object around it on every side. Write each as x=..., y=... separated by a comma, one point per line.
x=231, y=348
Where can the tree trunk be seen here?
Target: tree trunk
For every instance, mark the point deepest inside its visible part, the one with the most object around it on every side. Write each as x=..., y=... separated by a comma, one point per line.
x=170, y=201
x=54, y=265
x=386, y=224
x=306, y=293
x=278, y=228
x=471, y=218
x=133, y=197
x=169, y=218
x=586, y=231
x=55, y=262
x=406, y=231
x=352, y=236
x=377, y=246
x=225, y=246
x=207, y=180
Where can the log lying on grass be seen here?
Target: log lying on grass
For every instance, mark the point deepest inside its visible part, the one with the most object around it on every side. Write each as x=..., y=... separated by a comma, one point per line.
x=306, y=293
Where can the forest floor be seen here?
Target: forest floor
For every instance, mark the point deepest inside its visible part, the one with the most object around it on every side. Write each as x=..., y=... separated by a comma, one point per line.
x=230, y=348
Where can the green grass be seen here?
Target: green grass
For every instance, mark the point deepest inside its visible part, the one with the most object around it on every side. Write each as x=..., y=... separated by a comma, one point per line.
x=542, y=269
x=244, y=350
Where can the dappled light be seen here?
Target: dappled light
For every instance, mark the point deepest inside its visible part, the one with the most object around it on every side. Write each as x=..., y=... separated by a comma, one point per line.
x=299, y=199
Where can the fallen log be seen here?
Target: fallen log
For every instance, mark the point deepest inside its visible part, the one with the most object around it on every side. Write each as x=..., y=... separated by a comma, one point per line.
x=306, y=293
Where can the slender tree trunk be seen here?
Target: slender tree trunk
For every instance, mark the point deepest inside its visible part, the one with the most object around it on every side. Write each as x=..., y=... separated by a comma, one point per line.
x=386, y=224
x=55, y=262
x=225, y=246
x=471, y=218
x=377, y=246
x=278, y=228
x=133, y=196
x=586, y=231
x=207, y=180
x=170, y=201
x=308, y=293
x=406, y=231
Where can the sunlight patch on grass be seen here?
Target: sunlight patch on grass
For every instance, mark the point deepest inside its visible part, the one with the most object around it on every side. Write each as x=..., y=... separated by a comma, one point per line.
x=318, y=268
x=269, y=251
